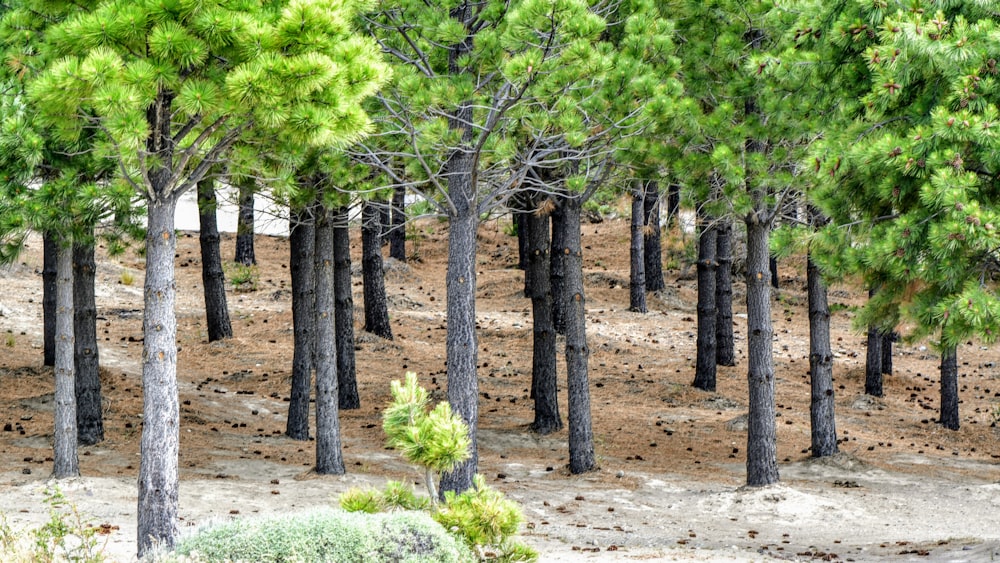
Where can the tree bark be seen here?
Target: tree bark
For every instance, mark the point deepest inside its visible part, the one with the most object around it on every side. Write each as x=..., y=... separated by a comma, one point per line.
x=725, y=348
x=653, y=253
x=949, y=389
x=581, y=434
x=212, y=277
x=873, y=359
x=637, y=252
x=347, y=383
x=557, y=269
x=89, y=414
x=397, y=236
x=544, y=381
x=66, y=463
x=887, y=339
x=50, y=248
x=244, y=224
x=706, y=356
x=302, y=241
x=158, y=471
x=384, y=220
x=774, y=272
x=673, y=203
x=822, y=405
x=329, y=456
x=376, y=304
x=762, y=462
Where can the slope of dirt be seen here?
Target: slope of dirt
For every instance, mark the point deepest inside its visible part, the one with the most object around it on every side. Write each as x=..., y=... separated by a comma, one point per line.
x=671, y=457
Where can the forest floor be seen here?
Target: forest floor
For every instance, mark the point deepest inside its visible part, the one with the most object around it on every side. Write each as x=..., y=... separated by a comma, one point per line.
x=672, y=457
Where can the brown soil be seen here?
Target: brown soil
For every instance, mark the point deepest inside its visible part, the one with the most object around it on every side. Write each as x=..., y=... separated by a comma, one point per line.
x=671, y=456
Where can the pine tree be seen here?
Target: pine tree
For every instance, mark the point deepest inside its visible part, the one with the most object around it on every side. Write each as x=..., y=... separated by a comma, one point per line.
x=171, y=87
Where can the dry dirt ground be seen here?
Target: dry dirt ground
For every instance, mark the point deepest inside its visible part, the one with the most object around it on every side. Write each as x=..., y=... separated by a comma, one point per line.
x=672, y=458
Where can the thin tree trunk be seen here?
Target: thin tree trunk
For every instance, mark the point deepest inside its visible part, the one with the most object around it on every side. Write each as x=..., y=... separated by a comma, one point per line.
x=581, y=434
x=762, y=462
x=822, y=406
x=652, y=252
x=873, y=359
x=376, y=304
x=557, y=269
x=544, y=382
x=774, y=272
x=212, y=277
x=244, y=224
x=887, y=339
x=89, y=416
x=50, y=248
x=302, y=241
x=329, y=456
x=725, y=348
x=384, y=220
x=347, y=383
x=637, y=253
x=66, y=463
x=158, y=471
x=705, y=362
x=949, y=389
x=673, y=203
x=397, y=236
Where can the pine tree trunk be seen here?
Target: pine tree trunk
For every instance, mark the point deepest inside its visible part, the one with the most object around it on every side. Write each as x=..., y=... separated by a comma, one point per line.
x=397, y=236
x=302, y=241
x=762, y=462
x=66, y=463
x=704, y=374
x=158, y=471
x=873, y=360
x=544, y=381
x=774, y=272
x=244, y=225
x=329, y=456
x=212, y=277
x=89, y=416
x=822, y=406
x=557, y=269
x=50, y=248
x=887, y=339
x=347, y=383
x=637, y=253
x=673, y=203
x=581, y=434
x=462, y=341
x=384, y=220
x=376, y=305
x=725, y=348
x=653, y=254
x=949, y=389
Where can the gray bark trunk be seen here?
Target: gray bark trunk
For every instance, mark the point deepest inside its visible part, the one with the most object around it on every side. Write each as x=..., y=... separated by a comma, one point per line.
x=762, y=462
x=347, y=383
x=822, y=405
x=557, y=270
x=50, y=248
x=66, y=463
x=873, y=359
x=887, y=339
x=653, y=253
x=244, y=225
x=725, y=348
x=212, y=277
x=637, y=252
x=376, y=304
x=544, y=382
x=581, y=434
x=949, y=390
x=329, y=456
x=301, y=240
x=673, y=202
x=89, y=415
x=158, y=471
x=705, y=362
x=397, y=236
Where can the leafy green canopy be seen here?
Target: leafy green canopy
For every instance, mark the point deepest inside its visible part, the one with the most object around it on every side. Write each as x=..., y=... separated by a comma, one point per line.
x=919, y=216
x=172, y=84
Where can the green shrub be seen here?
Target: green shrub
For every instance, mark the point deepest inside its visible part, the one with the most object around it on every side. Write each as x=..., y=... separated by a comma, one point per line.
x=323, y=535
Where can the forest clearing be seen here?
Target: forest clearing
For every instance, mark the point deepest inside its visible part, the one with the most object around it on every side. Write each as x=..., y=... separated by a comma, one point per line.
x=671, y=457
